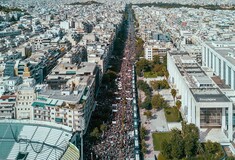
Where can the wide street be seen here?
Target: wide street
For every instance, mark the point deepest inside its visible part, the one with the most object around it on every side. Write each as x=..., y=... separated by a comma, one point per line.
x=117, y=142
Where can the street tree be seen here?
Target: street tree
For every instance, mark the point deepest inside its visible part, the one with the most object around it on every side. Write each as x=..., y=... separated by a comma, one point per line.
x=156, y=101
x=178, y=104
x=143, y=145
x=95, y=133
x=154, y=85
x=173, y=93
x=143, y=132
x=148, y=114
x=103, y=127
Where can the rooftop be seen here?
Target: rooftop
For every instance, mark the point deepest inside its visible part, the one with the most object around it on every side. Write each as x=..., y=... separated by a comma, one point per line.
x=33, y=139
x=224, y=48
x=208, y=95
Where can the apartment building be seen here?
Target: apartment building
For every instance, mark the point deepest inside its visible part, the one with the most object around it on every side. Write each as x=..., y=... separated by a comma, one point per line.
x=69, y=105
x=26, y=94
x=153, y=47
x=7, y=106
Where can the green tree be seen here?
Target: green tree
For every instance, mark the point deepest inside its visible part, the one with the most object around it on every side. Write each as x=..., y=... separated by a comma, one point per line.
x=142, y=85
x=143, y=132
x=148, y=114
x=143, y=145
x=157, y=101
x=154, y=85
x=95, y=133
x=144, y=65
x=213, y=148
x=191, y=138
x=166, y=149
x=165, y=84
x=165, y=61
x=103, y=127
x=165, y=72
x=147, y=103
x=156, y=59
x=177, y=149
x=178, y=104
x=173, y=93
x=158, y=69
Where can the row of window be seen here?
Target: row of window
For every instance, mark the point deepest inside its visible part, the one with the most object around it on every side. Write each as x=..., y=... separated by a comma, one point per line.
x=23, y=109
x=25, y=103
x=26, y=97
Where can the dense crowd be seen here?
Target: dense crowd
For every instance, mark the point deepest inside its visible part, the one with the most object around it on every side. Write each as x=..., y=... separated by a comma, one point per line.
x=118, y=141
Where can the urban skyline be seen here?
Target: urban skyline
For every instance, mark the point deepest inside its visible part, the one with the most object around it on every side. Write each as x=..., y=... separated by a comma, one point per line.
x=117, y=80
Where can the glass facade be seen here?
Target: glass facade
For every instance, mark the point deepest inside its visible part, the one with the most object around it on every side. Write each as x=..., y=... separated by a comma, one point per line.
x=210, y=117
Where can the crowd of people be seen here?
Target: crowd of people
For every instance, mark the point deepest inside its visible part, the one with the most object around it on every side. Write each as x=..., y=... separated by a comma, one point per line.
x=118, y=141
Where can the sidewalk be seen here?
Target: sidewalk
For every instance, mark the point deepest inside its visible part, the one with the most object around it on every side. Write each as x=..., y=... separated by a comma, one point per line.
x=157, y=122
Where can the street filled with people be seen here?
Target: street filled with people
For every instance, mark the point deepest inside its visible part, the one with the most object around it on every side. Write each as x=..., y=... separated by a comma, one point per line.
x=117, y=142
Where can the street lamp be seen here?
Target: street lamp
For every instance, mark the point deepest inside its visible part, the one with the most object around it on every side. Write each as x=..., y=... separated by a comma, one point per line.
x=82, y=122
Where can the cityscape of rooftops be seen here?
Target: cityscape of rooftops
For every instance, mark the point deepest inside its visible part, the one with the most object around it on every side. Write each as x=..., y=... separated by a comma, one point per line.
x=117, y=80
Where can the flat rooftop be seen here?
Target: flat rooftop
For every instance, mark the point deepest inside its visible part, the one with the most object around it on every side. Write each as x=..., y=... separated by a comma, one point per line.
x=208, y=95
x=224, y=48
x=190, y=70
x=220, y=82
x=56, y=94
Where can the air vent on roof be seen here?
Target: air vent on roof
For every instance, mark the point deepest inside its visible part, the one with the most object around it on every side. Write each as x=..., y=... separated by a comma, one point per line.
x=230, y=54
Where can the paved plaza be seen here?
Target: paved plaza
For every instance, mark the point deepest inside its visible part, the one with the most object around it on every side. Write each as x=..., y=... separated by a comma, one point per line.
x=156, y=123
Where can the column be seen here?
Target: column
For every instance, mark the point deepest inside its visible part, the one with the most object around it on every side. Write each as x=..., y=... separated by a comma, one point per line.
x=230, y=122
x=222, y=69
x=213, y=64
x=232, y=78
x=196, y=115
x=207, y=56
x=209, y=59
x=203, y=55
x=223, y=122
x=189, y=110
x=217, y=66
x=226, y=75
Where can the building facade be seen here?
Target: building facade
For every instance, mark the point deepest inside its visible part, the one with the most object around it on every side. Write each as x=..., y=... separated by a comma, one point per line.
x=220, y=57
x=202, y=101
